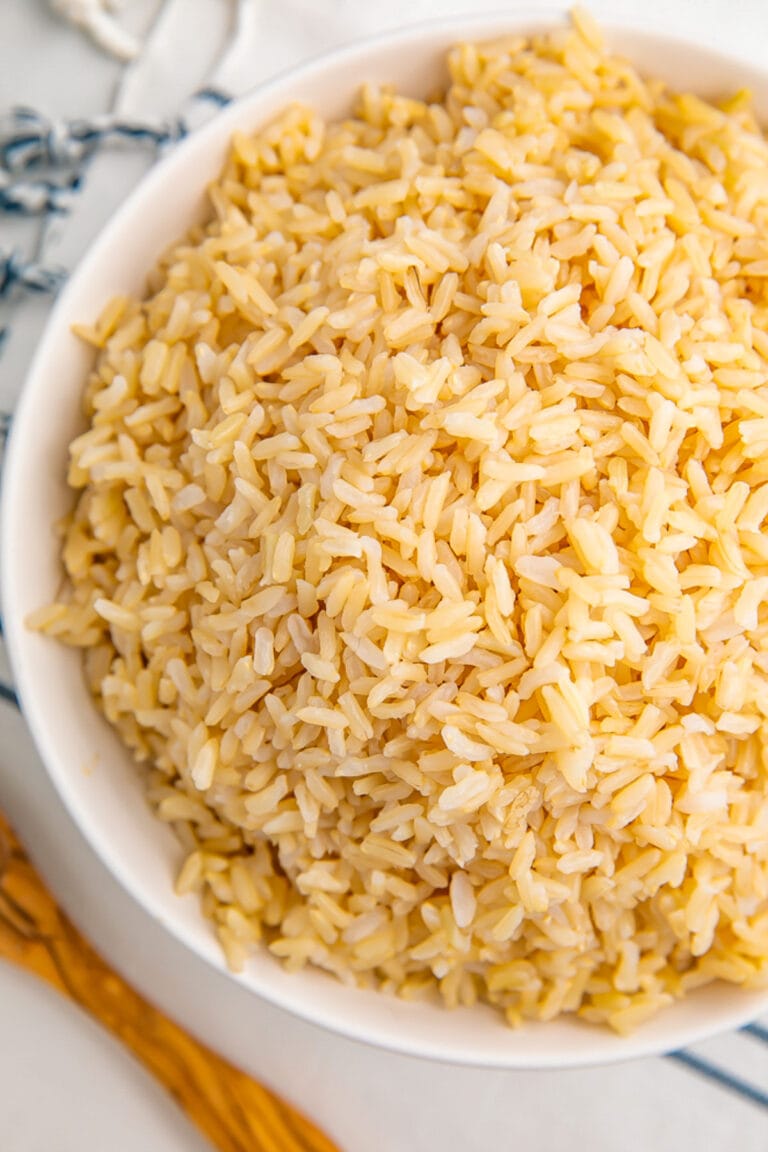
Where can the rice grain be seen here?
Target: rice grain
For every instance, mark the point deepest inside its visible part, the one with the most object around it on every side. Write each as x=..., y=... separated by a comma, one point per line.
x=417, y=553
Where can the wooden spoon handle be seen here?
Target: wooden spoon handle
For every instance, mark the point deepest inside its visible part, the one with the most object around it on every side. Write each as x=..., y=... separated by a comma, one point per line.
x=233, y=1111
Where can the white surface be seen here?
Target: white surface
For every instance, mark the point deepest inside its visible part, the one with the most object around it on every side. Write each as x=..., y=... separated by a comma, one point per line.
x=66, y=1085
x=367, y=1099
x=91, y=769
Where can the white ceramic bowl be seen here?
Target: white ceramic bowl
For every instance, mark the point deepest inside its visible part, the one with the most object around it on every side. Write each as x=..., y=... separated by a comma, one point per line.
x=90, y=769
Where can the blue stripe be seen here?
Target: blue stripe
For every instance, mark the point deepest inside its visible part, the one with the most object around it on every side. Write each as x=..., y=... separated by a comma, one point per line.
x=127, y=132
x=8, y=695
x=720, y=1077
x=757, y=1031
x=215, y=95
x=29, y=277
x=30, y=141
x=39, y=197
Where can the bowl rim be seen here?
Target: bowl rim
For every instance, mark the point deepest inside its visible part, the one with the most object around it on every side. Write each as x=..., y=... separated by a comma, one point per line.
x=524, y=20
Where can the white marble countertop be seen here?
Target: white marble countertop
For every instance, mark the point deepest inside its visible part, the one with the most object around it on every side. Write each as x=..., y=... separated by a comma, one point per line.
x=368, y=1101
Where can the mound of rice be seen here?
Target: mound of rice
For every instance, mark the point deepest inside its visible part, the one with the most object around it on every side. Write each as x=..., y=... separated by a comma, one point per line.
x=419, y=551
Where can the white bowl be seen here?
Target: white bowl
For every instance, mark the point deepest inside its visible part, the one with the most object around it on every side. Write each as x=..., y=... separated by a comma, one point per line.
x=89, y=767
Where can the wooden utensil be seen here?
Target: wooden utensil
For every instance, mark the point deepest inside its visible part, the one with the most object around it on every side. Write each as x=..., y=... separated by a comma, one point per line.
x=233, y=1111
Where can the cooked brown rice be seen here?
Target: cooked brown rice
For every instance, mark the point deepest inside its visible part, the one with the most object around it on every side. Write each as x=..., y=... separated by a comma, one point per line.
x=419, y=551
